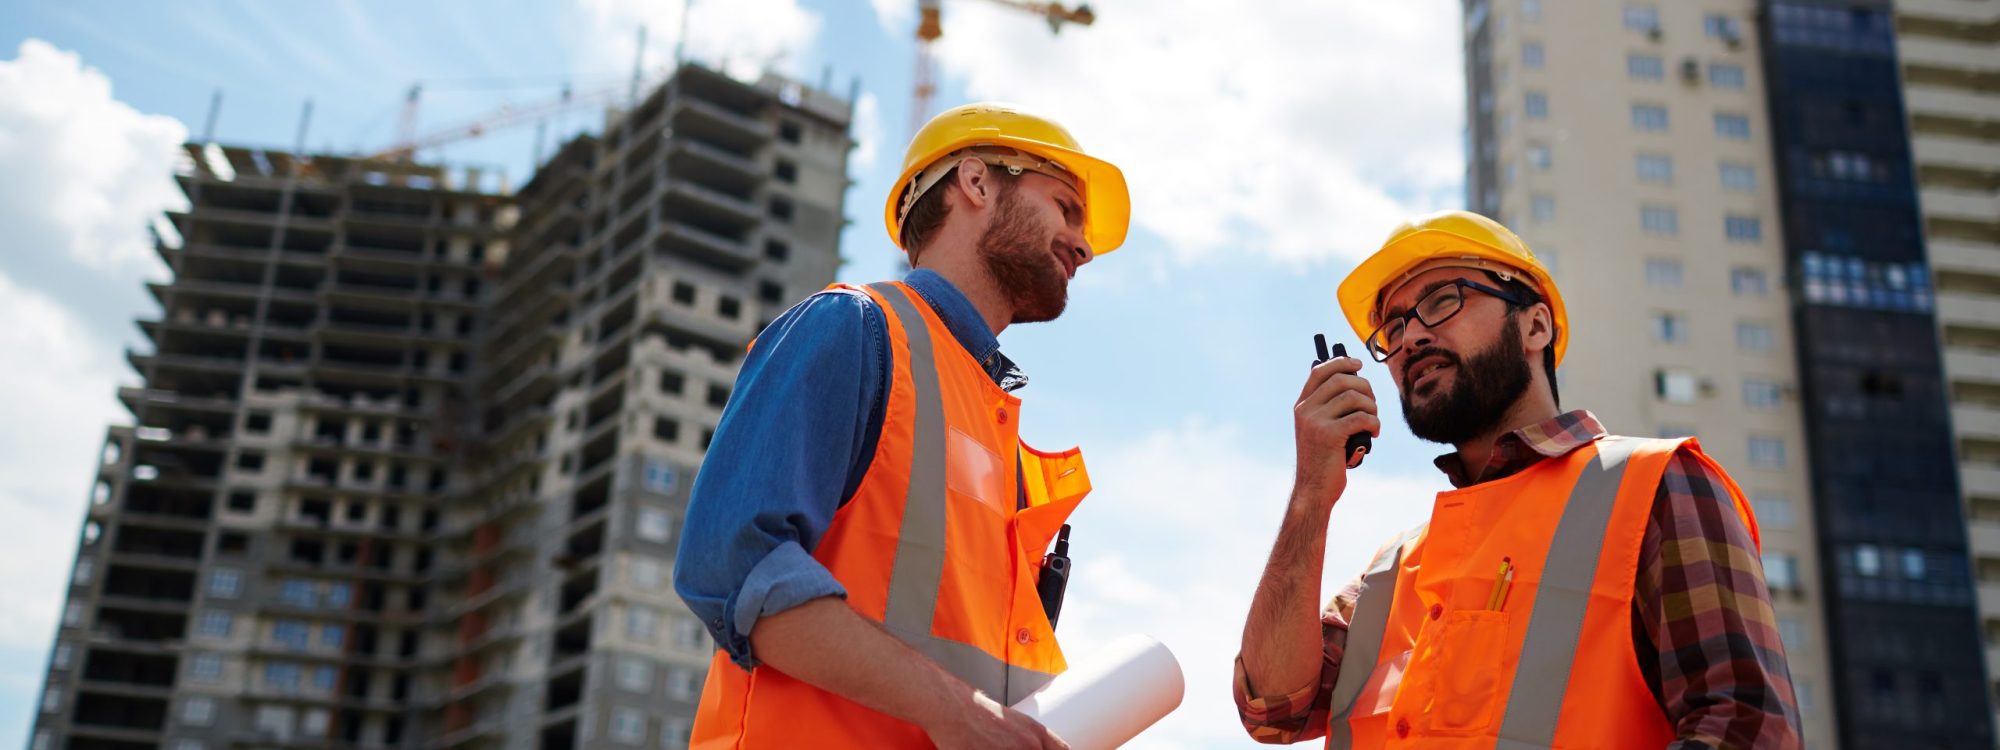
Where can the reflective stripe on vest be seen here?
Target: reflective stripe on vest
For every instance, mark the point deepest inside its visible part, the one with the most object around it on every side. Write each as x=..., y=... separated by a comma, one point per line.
x=1555, y=620
x=1364, y=636
x=918, y=572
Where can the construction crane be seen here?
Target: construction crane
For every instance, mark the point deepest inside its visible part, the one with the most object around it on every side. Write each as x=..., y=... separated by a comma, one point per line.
x=930, y=27
x=507, y=116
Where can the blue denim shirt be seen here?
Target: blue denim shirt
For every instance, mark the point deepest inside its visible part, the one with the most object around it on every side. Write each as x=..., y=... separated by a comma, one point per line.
x=797, y=435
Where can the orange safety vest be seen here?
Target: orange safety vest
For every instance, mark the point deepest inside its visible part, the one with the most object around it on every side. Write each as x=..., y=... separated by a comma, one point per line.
x=1553, y=666
x=934, y=545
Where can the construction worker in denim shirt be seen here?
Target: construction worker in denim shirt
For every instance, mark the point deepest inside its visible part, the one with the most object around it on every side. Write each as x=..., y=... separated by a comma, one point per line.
x=865, y=535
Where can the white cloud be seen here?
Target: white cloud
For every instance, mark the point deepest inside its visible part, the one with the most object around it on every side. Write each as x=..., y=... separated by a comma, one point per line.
x=743, y=37
x=56, y=410
x=84, y=171
x=1172, y=543
x=1295, y=131
x=867, y=131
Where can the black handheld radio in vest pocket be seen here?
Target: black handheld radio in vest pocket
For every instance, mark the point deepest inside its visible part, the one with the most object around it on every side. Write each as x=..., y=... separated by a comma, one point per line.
x=1359, y=443
x=1055, y=577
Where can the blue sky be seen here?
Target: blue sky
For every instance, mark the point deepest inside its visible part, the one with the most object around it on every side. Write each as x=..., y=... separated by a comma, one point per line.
x=1268, y=150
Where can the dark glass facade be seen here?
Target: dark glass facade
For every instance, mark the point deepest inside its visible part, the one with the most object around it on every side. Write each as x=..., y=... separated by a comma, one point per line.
x=1909, y=665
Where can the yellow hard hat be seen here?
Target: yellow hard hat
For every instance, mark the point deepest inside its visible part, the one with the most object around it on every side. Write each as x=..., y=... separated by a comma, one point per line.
x=1107, y=207
x=1445, y=239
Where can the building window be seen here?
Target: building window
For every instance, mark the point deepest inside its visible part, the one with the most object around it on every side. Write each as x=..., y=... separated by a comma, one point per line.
x=339, y=594
x=1676, y=386
x=1644, y=67
x=1669, y=328
x=282, y=677
x=332, y=636
x=790, y=132
x=51, y=700
x=683, y=292
x=1732, y=126
x=1867, y=560
x=257, y=422
x=1774, y=510
x=786, y=172
x=205, y=668
x=1659, y=220
x=1531, y=10
x=729, y=307
x=1767, y=452
x=324, y=679
x=675, y=733
x=1507, y=173
x=641, y=623
x=198, y=711
x=1536, y=104
x=776, y=251
x=770, y=292
x=216, y=624
x=62, y=656
x=1753, y=338
x=1542, y=208
x=659, y=477
x=1531, y=55
x=654, y=525
x=188, y=744
x=73, y=614
x=1743, y=228
x=291, y=634
x=645, y=574
x=628, y=726
x=1759, y=393
x=635, y=674
x=683, y=684
x=1748, y=282
x=1663, y=273
x=225, y=583
x=1657, y=169
x=1718, y=26
x=86, y=568
x=1644, y=18
x=672, y=382
x=1649, y=117
x=667, y=430
x=295, y=592
x=781, y=209
x=1914, y=564
x=250, y=461
x=689, y=636
x=1725, y=75
x=1781, y=571
x=1739, y=176
x=1540, y=158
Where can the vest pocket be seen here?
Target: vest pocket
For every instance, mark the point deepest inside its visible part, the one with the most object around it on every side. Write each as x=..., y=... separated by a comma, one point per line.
x=1467, y=675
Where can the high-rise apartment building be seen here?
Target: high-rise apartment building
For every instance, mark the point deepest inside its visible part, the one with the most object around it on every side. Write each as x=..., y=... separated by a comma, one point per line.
x=1950, y=52
x=409, y=458
x=1733, y=258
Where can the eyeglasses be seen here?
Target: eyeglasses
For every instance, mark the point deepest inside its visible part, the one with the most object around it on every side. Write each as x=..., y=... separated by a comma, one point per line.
x=1433, y=309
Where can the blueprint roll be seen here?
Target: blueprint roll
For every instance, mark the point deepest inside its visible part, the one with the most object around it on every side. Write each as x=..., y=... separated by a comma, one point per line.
x=1112, y=696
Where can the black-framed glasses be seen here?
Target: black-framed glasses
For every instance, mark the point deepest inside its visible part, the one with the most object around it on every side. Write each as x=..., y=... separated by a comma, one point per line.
x=1433, y=309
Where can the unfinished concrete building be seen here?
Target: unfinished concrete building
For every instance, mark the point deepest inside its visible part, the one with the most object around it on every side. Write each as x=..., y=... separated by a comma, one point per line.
x=409, y=458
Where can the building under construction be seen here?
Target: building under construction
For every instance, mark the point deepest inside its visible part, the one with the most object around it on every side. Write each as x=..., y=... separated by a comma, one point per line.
x=408, y=460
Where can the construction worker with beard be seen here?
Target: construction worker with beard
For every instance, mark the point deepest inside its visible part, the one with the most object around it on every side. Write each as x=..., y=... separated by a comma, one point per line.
x=1577, y=589
x=865, y=535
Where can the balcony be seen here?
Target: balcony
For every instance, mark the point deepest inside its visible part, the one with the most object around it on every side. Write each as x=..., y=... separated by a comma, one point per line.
x=1923, y=99
x=1969, y=205
x=708, y=247
x=1975, y=309
x=690, y=159
x=697, y=204
x=713, y=123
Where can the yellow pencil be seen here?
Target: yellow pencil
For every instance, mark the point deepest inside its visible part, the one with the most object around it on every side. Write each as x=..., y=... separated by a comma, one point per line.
x=1499, y=582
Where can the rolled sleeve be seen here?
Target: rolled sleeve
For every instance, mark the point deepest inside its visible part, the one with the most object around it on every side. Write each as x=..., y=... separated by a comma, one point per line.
x=796, y=436
x=1285, y=718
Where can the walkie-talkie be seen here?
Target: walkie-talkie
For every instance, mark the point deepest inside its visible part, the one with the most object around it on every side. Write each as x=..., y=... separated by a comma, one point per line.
x=1055, y=577
x=1359, y=443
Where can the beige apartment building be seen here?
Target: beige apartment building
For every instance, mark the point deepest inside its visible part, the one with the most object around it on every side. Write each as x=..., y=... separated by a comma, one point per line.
x=1628, y=144
x=1951, y=74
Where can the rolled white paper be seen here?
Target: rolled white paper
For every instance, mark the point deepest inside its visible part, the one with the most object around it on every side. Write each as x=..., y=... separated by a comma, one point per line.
x=1112, y=696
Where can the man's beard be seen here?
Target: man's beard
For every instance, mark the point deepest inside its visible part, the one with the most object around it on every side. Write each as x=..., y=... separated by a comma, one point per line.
x=1484, y=388
x=1018, y=257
